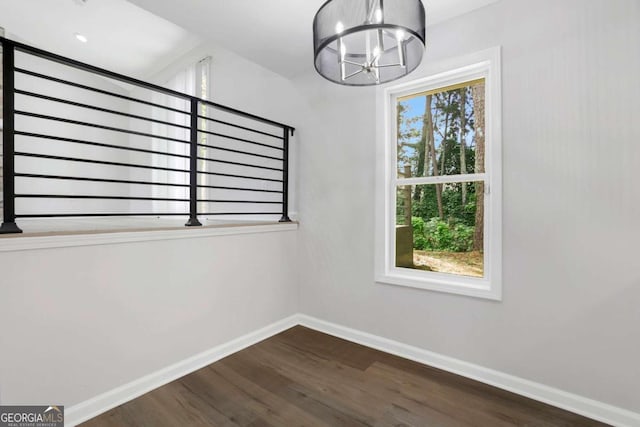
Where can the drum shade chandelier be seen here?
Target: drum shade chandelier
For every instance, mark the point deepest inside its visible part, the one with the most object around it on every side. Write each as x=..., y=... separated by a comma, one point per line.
x=368, y=42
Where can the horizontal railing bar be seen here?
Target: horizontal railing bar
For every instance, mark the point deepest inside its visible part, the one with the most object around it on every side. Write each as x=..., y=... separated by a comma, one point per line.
x=95, y=108
x=98, y=162
x=240, y=176
x=227, y=162
x=93, y=125
x=126, y=79
x=218, y=187
x=96, y=70
x=239, y=213
x=87, y=196
x=238, y=201
x=240, y=127
x=240, y=139
x=240, y=152
x=247, y=115
x=68, y=215
x=115, y=181
x=99, y=144
x=104, y=92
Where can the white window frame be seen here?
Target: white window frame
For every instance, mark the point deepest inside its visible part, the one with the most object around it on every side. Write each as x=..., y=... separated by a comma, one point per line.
x=485, y=64
x=203, y=90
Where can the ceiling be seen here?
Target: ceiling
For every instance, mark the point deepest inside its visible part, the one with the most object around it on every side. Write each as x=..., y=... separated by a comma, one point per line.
x=122, y=37
x=140, y=37
x=273, y=33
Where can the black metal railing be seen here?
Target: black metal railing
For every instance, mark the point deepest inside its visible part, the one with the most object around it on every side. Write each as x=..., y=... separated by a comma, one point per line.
x=230, y=157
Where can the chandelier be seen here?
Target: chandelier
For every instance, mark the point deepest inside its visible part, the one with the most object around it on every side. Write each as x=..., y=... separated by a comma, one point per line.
x=368, y=42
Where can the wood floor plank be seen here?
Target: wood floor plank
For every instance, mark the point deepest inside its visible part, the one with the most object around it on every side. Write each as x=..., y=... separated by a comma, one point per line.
x=505, y=398
x=361, y=399
x=329, y=380
x=302, y=377
x=303, y=396
x=419, y=393
x=269, y=406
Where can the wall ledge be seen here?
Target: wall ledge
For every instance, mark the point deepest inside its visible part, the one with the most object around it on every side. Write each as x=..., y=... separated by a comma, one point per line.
x=24, y=242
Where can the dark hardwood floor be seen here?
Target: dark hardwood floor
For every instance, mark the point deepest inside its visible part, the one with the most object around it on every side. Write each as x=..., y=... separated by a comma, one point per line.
x=306, y=378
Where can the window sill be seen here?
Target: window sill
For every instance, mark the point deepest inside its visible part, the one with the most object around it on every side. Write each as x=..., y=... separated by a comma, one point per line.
x=64, y=239
x=481, y=290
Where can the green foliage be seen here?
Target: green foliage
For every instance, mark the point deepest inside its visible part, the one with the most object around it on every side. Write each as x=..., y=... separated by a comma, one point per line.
x=419, y=239
x=462, y=238
x=453, y=206
x=426, y=205
x=439, y=235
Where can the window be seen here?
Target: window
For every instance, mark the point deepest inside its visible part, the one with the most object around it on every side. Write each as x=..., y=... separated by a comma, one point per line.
x=193, y=80
x=442, y=195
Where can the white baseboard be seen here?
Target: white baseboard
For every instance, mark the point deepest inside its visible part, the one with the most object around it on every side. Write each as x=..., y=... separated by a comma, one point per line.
x=93, y=407
x=609, y=414
x=571, y=402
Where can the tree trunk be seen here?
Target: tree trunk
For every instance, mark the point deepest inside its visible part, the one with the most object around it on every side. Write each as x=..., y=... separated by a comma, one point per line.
x=428, y=121
x=407, y=199
x=445, y=133
x=422, y=168
x=398, y=131
x=463, y=145
x=477, y=92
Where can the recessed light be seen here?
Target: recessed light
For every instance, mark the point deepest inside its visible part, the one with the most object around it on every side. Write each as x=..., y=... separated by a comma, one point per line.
x=81, y=37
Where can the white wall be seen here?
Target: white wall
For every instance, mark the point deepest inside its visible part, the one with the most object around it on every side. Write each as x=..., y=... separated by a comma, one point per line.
x=77, y=322
x=570, y=315
x=240, y=83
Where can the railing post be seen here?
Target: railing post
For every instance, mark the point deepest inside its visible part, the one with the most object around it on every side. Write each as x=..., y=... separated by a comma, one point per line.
x=193, y=167
x=285, y=178
x=8, y=128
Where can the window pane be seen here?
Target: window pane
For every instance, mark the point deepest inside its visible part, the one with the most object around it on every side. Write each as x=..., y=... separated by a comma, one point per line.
x=442, y=132
x=440, y=227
